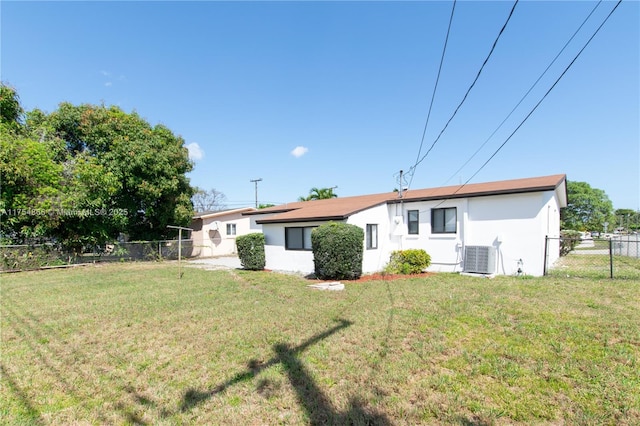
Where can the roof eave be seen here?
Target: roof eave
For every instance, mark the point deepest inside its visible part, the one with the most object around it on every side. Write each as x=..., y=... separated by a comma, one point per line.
x=476, y=194
x=302, y=219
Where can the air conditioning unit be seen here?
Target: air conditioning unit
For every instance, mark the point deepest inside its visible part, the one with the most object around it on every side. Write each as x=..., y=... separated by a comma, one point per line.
x=480, y=259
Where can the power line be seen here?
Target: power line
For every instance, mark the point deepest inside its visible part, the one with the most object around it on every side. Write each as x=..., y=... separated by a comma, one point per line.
x=540, y=101
x=413, y=168
x=525, y=95
x=435, y=87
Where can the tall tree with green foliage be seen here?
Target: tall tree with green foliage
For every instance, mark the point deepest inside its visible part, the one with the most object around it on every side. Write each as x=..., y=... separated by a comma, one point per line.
x=11, y=111
x=319, y=194
x=29, y=183
x=148, y=165
x=588, y=208
x=95, y=170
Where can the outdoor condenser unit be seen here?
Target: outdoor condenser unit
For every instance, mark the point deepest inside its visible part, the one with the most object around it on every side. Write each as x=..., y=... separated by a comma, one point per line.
x=480, y=259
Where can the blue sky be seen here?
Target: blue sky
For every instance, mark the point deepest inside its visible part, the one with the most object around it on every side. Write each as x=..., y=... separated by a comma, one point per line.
x=349, y=85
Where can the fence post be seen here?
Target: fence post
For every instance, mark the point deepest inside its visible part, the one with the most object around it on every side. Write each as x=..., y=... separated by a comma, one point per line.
x=611, y=258
x=544, y=260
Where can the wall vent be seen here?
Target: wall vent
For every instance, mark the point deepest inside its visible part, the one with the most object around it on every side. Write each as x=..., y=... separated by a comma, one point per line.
x=480, y=259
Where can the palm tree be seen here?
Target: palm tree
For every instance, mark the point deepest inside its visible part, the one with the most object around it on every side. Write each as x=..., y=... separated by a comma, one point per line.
x=319, y=194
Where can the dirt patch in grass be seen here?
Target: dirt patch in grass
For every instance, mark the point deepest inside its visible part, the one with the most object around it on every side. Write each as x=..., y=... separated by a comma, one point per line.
x=380, y=276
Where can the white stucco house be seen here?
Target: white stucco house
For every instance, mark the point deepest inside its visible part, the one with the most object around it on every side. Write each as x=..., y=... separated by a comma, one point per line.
x=214, y=233
x=491, y=228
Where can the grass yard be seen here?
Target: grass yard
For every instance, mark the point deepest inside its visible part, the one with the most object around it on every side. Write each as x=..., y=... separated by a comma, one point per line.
x=131, y=344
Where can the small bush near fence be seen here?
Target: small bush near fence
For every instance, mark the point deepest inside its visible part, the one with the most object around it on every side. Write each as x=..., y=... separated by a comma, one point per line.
x=569, y=239
x=16, y=258
x=30, y=257
x=412, y=261
x=337, y=251
x=251, y=251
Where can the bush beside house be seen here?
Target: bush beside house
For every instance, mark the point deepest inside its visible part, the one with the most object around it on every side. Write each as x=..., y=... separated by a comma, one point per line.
x=337, y=251
x=251, y=251
x=412, y=261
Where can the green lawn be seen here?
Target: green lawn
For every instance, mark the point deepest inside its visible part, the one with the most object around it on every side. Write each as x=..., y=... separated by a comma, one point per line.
x=132, y=344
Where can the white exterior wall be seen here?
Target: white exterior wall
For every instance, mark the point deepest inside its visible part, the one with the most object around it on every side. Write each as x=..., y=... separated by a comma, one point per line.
x=374, y=260
x=516, y=225
x=445, y=249
x=280, y=259
x=212, y=242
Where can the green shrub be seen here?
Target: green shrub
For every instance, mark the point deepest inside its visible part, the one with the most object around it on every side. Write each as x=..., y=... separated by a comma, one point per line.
x=569, y=239
x=412, y=261
x=251, y=251
x=337, y=251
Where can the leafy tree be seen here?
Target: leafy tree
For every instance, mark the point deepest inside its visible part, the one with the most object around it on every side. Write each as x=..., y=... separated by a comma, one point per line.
x=319, y=194
x=264, y=206
x=211, y=200
x=30, y=182
x=628, y=219
x=588, y=208
x=148, y=165
x=11, y=111
x=83, y=174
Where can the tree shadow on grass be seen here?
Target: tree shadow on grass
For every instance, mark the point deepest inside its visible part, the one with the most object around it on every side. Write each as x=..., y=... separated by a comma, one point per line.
x=316, y=404
x=29, y=410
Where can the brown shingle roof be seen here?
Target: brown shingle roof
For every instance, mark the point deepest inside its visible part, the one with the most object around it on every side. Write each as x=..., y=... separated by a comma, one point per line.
x=342, y=208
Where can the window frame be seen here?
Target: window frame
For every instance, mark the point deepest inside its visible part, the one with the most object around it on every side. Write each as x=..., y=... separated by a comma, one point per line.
x=441, y=228
x=232, y=229
x=413, y=223
x=370, y=244
x=287, y=237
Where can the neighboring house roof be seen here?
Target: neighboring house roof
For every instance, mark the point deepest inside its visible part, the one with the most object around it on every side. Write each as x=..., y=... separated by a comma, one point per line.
x=342, y=208
x=220, y=213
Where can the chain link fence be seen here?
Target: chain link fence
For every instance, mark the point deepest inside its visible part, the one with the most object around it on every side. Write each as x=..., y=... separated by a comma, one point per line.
x=30, y=257
x=617, y=257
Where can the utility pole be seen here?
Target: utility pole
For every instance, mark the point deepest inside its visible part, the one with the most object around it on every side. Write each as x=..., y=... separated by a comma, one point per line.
x=255, y=181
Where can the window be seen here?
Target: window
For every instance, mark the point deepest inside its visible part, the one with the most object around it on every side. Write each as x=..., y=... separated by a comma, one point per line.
x=372, y=236
x=231, y=229
x=444, y=221
x=412, y=222
x=298, y=238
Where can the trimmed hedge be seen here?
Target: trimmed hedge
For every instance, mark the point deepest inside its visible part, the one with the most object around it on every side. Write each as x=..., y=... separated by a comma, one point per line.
x=251, y=251
x=337, y=251
x=412, y=261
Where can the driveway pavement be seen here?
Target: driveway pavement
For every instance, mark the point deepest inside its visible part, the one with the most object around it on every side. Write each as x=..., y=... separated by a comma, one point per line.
x=214, y=263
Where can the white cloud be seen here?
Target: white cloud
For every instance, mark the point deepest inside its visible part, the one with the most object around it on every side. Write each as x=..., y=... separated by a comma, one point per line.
x=299, y=151
x=195, y=152
x=108, y=84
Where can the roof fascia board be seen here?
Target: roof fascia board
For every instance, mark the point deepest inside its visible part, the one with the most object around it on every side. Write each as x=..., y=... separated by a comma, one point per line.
x=304, y=219
x=222, y=213
x=258, y=212
x=474, y=195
